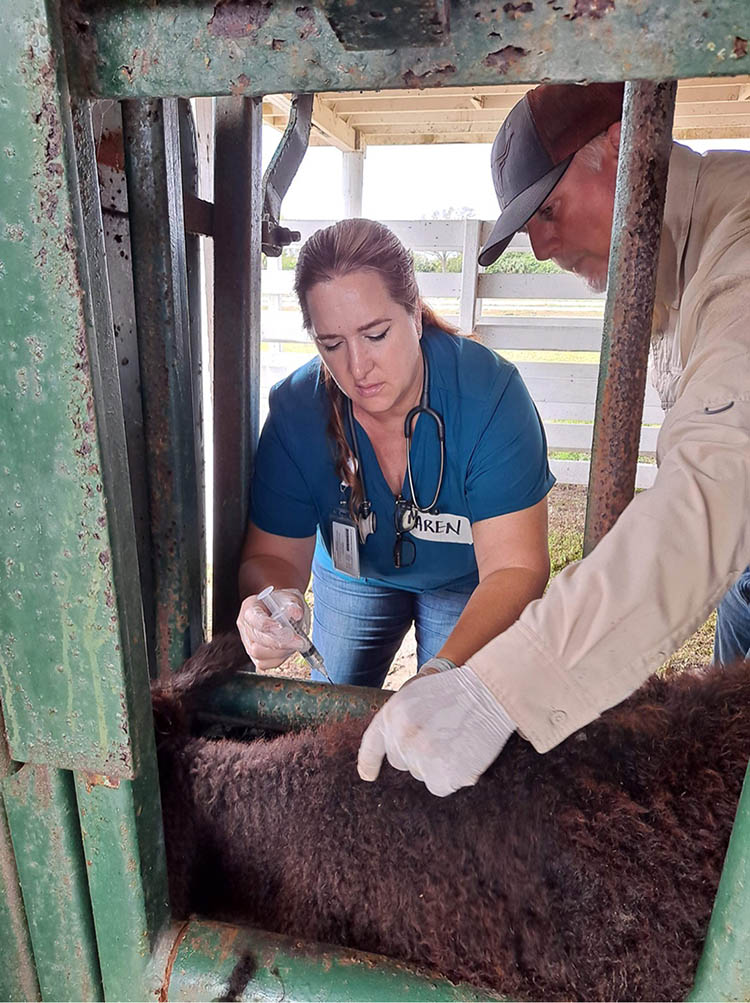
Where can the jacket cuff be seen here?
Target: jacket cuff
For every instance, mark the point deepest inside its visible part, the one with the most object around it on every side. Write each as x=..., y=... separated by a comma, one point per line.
x=546, y=703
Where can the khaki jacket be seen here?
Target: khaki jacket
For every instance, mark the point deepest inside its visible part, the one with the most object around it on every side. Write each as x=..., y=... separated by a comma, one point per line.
x=607, y=622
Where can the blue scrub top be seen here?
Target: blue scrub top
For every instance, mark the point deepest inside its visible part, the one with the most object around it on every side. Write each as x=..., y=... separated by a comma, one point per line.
x=495, y=463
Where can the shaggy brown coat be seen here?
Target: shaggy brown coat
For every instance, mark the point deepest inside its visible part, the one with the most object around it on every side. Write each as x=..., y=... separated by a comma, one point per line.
x=587, y=873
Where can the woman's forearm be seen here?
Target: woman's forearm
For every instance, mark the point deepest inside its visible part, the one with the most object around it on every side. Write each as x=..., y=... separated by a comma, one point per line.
x=495, y=604
x=262, y=570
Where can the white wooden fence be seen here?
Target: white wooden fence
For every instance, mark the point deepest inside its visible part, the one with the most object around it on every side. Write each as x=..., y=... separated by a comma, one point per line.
x=509, y=313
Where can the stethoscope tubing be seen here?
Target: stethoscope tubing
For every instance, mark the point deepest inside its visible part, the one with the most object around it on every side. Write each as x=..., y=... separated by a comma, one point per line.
x=422, y=408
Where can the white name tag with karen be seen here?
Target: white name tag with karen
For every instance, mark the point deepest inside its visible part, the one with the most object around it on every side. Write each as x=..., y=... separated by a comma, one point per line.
x=442, y=528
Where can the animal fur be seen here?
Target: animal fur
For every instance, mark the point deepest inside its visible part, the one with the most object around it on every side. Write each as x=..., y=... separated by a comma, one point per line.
x=586, y=873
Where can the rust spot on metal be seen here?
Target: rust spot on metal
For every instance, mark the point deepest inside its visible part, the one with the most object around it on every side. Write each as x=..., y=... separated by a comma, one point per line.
x=309, y=28
x=239, y=86
x=740, y=47
x=590, y=8
x=111, y=151
x=504, y=58
x=277, y=44
x=236, y=19
x=99, y=780
x=436, y=76
x=514, y=10
x=164, y=990
x=42, y=786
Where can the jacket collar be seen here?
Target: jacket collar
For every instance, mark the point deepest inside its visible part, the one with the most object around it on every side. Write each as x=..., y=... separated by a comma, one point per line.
x=684, y=165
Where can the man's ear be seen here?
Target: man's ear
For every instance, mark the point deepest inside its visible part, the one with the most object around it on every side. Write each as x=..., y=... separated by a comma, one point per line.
x=613, y=135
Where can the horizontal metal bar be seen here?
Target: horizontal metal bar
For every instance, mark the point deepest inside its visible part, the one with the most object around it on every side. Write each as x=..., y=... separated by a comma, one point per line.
x=288, y=704
x=141, y=49
x=214, y=961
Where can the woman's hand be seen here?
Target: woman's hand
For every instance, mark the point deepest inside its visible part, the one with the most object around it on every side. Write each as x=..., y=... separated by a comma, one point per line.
x=267, y=641
x=445, y=729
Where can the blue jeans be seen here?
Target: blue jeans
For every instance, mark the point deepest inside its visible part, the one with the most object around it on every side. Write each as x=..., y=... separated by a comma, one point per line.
x=732, y=639
x=358, y=627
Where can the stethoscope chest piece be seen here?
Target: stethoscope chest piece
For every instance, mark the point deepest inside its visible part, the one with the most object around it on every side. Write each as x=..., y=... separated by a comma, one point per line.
x=367, y=521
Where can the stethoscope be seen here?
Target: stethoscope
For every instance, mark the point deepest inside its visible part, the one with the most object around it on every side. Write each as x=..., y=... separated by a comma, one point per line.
x=409, y=509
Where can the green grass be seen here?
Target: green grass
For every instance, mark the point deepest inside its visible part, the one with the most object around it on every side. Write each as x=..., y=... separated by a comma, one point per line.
x=565, y=547
x=567, y=454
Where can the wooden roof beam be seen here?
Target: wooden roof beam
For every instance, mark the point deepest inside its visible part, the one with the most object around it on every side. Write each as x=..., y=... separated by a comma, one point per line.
x=325, y=121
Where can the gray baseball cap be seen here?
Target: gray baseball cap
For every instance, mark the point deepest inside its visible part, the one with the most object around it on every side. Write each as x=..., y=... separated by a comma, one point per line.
x=535, y=145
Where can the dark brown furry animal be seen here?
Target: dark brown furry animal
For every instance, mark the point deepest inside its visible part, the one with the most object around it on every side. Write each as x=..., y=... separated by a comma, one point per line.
x=586, y=873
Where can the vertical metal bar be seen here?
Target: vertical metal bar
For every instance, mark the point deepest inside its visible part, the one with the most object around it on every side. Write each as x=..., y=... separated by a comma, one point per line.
x=126, y=859
x=121, y=352
x=157, y=236
x=237, y=271
x=18, y=978
x=353, y=169
x=120, y=820
x=645, y=147
x=41, y=806
x=467, y=302
x=63, y=675
x=724, y=969
x=189, y=163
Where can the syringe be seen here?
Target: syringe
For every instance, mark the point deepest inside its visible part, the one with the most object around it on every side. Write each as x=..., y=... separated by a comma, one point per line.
x=310, y=654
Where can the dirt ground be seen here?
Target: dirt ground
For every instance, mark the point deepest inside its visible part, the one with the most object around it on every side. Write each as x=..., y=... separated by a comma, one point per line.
x=567, y=511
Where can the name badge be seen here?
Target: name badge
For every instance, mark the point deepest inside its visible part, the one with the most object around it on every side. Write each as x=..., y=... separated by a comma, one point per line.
x=345, y=546
x=443, y=528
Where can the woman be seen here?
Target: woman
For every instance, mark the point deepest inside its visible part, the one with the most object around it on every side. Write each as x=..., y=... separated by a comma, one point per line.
x=407, y=466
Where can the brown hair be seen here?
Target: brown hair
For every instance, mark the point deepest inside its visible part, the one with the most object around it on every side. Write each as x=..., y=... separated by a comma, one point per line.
x=353, y=245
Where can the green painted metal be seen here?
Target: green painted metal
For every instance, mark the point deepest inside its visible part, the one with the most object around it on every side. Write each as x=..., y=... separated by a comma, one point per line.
x=238, y=204
x=62, y=677
x=724, y=969
x=214, y=961
x=125, y=856
x=269, y=702
x=18, y=979
x=368, y=24
x=157, y=241
x=140, y=48
x=41, y=807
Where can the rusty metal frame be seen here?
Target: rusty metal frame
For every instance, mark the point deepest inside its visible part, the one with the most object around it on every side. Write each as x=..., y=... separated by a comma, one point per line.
x=236, y=364
x=139, y=49
x=52, y=249
x=645, y=147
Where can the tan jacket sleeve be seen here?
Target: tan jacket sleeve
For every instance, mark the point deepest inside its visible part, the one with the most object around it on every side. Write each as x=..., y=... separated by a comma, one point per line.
x=610, y=620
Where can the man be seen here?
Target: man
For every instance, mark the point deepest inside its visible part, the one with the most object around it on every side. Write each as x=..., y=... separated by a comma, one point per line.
x=610, y=620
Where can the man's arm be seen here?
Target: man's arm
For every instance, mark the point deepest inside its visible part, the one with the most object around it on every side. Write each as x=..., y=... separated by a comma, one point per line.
x=607, y=622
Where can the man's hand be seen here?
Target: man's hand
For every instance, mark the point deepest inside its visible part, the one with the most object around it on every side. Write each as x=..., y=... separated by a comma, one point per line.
x=445, y=729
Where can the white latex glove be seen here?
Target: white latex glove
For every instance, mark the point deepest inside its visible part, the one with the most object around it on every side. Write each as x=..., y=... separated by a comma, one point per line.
x=268, y=642
x=430, y=667
x=445, y=729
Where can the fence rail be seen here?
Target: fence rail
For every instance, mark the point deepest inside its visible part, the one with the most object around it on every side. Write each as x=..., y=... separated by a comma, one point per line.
x=519, y=313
